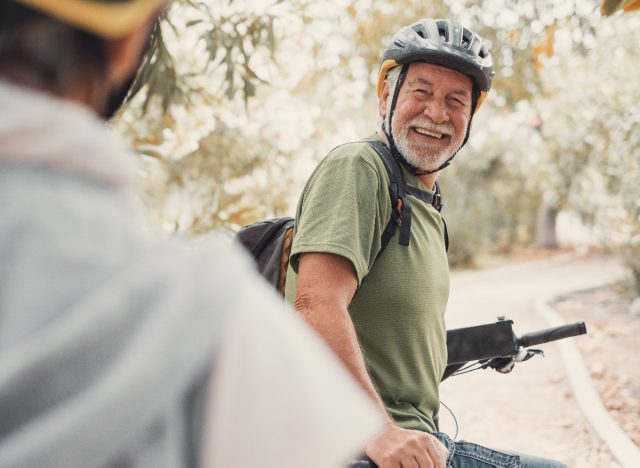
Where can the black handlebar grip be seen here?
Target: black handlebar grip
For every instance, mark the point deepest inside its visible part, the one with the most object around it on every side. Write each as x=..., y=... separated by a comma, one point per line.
x=552, y=334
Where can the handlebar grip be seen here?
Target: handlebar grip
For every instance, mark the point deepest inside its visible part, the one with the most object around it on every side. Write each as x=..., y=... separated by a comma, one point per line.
x=552, y=334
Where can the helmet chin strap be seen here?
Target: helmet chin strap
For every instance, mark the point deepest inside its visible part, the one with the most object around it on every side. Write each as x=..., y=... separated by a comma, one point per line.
x=389, y=134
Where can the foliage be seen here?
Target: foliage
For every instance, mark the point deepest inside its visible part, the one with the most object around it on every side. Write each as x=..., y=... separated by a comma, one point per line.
x=238, y=100
x=590, y=113
x=609, y=7
x=190, y=115
x=489, y=186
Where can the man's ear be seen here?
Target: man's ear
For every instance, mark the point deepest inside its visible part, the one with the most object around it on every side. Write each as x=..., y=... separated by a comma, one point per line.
x=123, y=55
x=382, y=101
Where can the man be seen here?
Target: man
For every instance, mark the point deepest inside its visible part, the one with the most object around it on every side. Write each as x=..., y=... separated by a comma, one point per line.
x=118, y=349
x=383, y=312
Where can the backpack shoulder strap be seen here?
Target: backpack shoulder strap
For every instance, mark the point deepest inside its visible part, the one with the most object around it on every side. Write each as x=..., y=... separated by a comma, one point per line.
x=401, y=210
x=396, y=191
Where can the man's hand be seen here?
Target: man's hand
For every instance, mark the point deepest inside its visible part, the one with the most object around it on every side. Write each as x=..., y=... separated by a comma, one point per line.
x=404, y=448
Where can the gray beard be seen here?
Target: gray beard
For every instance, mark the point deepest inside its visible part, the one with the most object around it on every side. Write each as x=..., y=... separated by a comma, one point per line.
x=424, y=158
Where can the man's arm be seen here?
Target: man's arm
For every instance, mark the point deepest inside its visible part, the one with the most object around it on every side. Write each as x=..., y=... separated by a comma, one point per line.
x=326, y=285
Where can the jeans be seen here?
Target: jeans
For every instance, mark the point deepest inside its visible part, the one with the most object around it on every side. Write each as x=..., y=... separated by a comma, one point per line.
x=464, y=454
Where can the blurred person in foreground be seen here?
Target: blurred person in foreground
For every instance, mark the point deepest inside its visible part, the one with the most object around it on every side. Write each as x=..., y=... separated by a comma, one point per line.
x=382, y=311
x=117, y=349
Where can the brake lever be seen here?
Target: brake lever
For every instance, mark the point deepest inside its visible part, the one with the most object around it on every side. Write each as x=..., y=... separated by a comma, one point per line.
x=504, y=365
x=529, y=354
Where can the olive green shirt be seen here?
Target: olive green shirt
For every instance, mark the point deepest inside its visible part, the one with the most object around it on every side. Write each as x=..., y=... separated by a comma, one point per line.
x=398, y=308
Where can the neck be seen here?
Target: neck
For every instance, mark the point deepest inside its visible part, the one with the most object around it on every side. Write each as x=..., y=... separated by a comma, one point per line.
x=428, y=180
x=383, y=137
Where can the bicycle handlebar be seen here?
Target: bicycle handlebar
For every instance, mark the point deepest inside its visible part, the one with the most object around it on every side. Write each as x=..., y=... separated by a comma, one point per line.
x=552, y=334
x=491, y=341
x=497, y=340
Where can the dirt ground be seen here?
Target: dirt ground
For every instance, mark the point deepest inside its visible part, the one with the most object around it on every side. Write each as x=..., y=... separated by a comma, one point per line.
x=533, y=409
x=611, y=349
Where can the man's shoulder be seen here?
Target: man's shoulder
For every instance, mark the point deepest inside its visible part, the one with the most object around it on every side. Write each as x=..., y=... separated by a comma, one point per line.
x=356, y=153
x=361, y=148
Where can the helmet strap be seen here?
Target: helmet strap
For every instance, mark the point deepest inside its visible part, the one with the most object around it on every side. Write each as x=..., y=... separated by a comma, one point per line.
x=394, y=99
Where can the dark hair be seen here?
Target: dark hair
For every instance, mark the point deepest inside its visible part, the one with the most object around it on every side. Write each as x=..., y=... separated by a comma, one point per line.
x=38, y=50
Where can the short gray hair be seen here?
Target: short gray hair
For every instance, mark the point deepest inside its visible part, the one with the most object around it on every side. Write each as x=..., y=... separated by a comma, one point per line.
x=392, y=80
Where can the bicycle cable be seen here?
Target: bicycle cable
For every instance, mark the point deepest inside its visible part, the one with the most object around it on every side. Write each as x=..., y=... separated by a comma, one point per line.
x=455, y=421
x=469, y=368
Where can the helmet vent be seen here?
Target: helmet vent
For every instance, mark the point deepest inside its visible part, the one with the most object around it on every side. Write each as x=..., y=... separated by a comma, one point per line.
x=466, y=39
x=443, y=30
x=421, y=31
x=442, y=42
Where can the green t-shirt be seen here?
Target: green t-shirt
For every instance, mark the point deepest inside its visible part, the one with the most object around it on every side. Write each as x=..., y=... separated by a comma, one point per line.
x=398, y=308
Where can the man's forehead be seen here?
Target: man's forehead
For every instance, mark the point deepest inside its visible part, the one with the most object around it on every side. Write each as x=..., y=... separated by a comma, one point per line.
x=432, y=75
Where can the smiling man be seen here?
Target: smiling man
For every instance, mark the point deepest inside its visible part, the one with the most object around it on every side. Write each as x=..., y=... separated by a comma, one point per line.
x=380, y=306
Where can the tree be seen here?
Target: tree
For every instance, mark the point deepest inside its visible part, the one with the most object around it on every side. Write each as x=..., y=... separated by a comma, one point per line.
x=196, y=120
x=236, y=103
x=591, y=115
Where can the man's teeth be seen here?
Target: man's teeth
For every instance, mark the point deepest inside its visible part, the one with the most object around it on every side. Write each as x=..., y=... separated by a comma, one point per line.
x=422, y=131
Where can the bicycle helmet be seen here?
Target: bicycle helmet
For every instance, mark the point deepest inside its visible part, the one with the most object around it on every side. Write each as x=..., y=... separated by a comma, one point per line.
x=109, y=19
x=440, y=42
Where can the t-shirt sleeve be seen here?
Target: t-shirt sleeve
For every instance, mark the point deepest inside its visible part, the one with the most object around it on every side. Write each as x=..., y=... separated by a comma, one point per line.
x=279, y=397
x=343, y=210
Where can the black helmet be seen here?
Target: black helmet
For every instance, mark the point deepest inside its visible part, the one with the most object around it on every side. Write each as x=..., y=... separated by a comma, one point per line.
x=441, y=42
x=109, y=19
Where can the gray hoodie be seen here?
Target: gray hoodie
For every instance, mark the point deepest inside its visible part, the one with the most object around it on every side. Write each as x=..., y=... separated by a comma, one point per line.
x=114, y=343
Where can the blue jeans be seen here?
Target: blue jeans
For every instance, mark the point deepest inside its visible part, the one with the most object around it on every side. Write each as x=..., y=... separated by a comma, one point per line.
x=464, y=454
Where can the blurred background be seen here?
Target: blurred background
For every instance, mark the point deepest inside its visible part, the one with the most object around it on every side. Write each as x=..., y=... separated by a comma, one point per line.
x=238, y=100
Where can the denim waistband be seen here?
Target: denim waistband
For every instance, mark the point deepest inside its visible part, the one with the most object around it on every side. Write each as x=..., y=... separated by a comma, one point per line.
x=464, y=454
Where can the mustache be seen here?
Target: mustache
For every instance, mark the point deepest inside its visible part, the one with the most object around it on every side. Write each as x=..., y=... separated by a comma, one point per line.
x=428, y=124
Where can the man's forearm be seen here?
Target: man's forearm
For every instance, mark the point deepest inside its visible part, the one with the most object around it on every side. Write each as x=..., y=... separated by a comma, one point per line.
x=326, y=285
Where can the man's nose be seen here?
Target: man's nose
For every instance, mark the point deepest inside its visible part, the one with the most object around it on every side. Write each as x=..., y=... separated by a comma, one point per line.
x=436, y=111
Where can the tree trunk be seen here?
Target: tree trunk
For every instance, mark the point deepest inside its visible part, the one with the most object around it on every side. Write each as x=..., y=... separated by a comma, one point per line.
x=631, y=259
x=546, y=226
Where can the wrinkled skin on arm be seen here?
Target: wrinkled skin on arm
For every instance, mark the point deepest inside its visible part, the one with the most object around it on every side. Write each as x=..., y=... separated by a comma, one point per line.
x=326, y=285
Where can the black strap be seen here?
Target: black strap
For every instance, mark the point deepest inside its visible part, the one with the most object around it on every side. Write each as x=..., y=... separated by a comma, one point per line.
x=398, y=194
x=396, y=186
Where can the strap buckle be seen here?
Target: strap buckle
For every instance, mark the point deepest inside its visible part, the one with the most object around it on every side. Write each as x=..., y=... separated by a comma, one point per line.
x=437, y=201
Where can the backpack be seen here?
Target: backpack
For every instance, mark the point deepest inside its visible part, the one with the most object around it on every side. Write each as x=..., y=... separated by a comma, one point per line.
x=269, y=241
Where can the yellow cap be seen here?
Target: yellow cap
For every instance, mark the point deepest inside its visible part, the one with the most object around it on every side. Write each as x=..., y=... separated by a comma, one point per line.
x=110, y=20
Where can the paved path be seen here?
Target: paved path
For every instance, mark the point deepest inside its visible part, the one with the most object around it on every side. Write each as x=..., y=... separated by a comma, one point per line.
x=532, y=409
